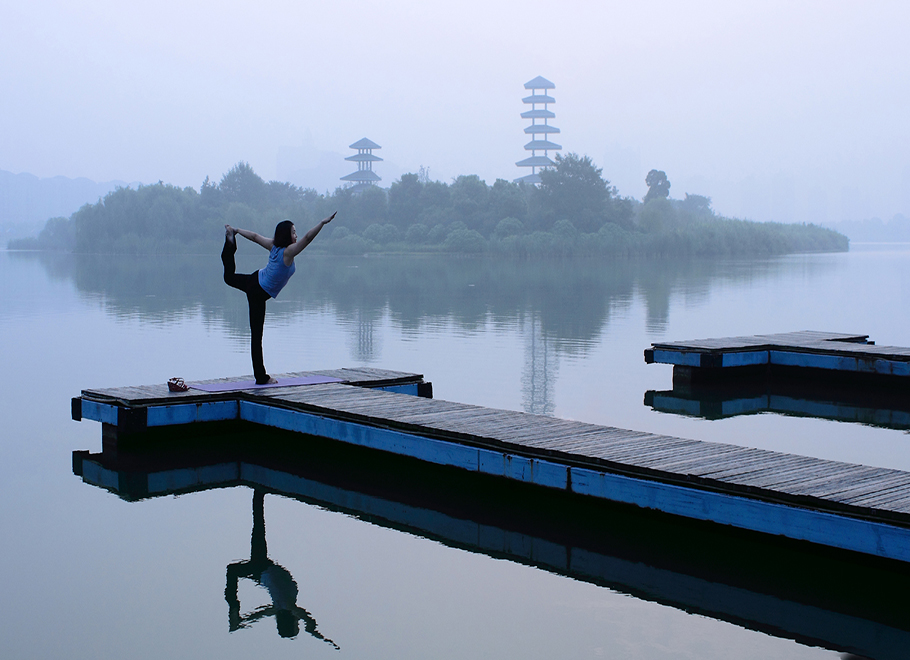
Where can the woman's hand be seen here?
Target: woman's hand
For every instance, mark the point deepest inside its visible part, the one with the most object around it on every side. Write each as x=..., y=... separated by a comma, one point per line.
x=329, y=219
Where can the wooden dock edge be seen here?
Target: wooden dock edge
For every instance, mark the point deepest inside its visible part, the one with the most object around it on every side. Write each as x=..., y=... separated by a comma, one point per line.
x=832, y=529
x=805, y=350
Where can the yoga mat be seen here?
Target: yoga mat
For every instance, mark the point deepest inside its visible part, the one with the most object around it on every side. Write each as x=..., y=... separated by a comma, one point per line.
x=234, y=385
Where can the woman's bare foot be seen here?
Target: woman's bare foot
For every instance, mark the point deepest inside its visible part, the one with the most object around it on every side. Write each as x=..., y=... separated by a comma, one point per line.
x=229, y=233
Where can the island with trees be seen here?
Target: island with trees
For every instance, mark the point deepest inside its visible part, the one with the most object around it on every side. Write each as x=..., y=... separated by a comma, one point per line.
x=573, y=212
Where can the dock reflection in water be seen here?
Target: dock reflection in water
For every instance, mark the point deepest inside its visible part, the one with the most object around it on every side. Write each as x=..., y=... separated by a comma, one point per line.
x=872, y=401
x=817, y=596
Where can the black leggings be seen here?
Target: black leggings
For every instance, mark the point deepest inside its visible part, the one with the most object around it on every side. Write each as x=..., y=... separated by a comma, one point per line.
x=256, y=298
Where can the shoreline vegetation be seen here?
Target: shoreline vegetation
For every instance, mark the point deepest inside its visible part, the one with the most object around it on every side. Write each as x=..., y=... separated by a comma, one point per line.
x=574, y=212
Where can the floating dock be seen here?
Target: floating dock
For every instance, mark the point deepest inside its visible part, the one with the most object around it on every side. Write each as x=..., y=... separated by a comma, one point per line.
x=849, y=507
x=124, y=411
x=808, y=351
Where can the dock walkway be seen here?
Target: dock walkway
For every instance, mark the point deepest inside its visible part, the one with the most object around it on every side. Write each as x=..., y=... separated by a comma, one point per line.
x=809, y=349
x=852, y=507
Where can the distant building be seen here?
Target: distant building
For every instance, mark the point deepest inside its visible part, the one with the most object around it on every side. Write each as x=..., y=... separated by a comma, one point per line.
x=364, y=176
x=539, y=132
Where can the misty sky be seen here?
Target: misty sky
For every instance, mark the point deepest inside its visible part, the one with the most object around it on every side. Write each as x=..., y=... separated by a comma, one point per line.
x=778, y=110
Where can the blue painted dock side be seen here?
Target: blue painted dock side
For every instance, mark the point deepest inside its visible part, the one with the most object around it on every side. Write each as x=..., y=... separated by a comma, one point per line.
x=850, y=507
x=809, y=350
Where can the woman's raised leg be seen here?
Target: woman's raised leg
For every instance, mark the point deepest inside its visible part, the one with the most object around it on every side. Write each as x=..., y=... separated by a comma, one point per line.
x=227, y=258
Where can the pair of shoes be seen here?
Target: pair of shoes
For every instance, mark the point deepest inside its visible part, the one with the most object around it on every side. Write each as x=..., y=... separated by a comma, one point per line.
x=177, y=385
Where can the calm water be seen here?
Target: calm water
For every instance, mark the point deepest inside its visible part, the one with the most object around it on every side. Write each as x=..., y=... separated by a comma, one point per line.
x=86, y=574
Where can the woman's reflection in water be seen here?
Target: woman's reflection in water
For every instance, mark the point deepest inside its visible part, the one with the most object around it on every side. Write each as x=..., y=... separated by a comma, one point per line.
x=274, y=577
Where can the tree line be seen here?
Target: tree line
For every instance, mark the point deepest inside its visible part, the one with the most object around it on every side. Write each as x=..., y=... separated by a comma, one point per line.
x=574, y=211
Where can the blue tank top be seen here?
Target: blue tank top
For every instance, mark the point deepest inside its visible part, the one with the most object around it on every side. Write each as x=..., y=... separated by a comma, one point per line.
x=273, y=277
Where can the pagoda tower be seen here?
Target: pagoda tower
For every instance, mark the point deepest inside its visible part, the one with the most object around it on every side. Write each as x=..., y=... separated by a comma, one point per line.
x=364, y=176
x=539, y=132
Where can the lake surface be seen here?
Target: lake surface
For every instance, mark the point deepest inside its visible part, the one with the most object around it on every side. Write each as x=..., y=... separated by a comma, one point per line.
x=86, y=574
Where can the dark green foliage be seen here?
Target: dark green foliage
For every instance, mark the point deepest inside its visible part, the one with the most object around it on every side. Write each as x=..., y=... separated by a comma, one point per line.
x=163, y=217
x=417, y=234
x=575, y=212
x=437, y=234
x=509, y=200
x=58, y=235
x=657, y=215
x=404, y=200
x=658, y=185
x=337, y=232
x=242, y=184
x=725, y=236
x=359, y=210
x=465, y=241
x=382, y=234
x=574, y=190
x=435, y=198
x=470, y=197
x=354, y=245
x=508, y=227
x=697, y=205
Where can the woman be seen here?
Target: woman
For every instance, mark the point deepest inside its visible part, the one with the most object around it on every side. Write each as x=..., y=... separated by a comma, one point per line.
x=268, y=282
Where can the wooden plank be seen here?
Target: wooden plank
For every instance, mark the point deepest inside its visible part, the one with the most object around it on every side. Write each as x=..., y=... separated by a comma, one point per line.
x=845, y=483
x=646, y=462
x=583, y=437
x=697, y=458
x=896, y=492
x=752, y=341
x=861, y=488
x=573, y=443
x=780, y=473
x=735, y=458
x=815, y=483
x=626, y=452
x=890, y=501
x=766, y=469
x=678, y=453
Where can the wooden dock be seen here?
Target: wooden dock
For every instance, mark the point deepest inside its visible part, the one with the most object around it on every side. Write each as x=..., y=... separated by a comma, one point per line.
x=127, y=410
x=850, y=507
x=827, y=352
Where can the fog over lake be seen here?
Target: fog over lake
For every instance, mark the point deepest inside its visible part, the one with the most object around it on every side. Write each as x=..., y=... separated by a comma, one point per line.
x=768, y=111
x=563, y=338
x=777, y=111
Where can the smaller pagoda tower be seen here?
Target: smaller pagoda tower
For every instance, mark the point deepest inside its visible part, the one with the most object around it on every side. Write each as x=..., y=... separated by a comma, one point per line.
x=364, y=176
x=539, y=132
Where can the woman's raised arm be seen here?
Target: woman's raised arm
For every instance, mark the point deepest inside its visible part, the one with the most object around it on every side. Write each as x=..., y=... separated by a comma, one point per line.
x=294, y=249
